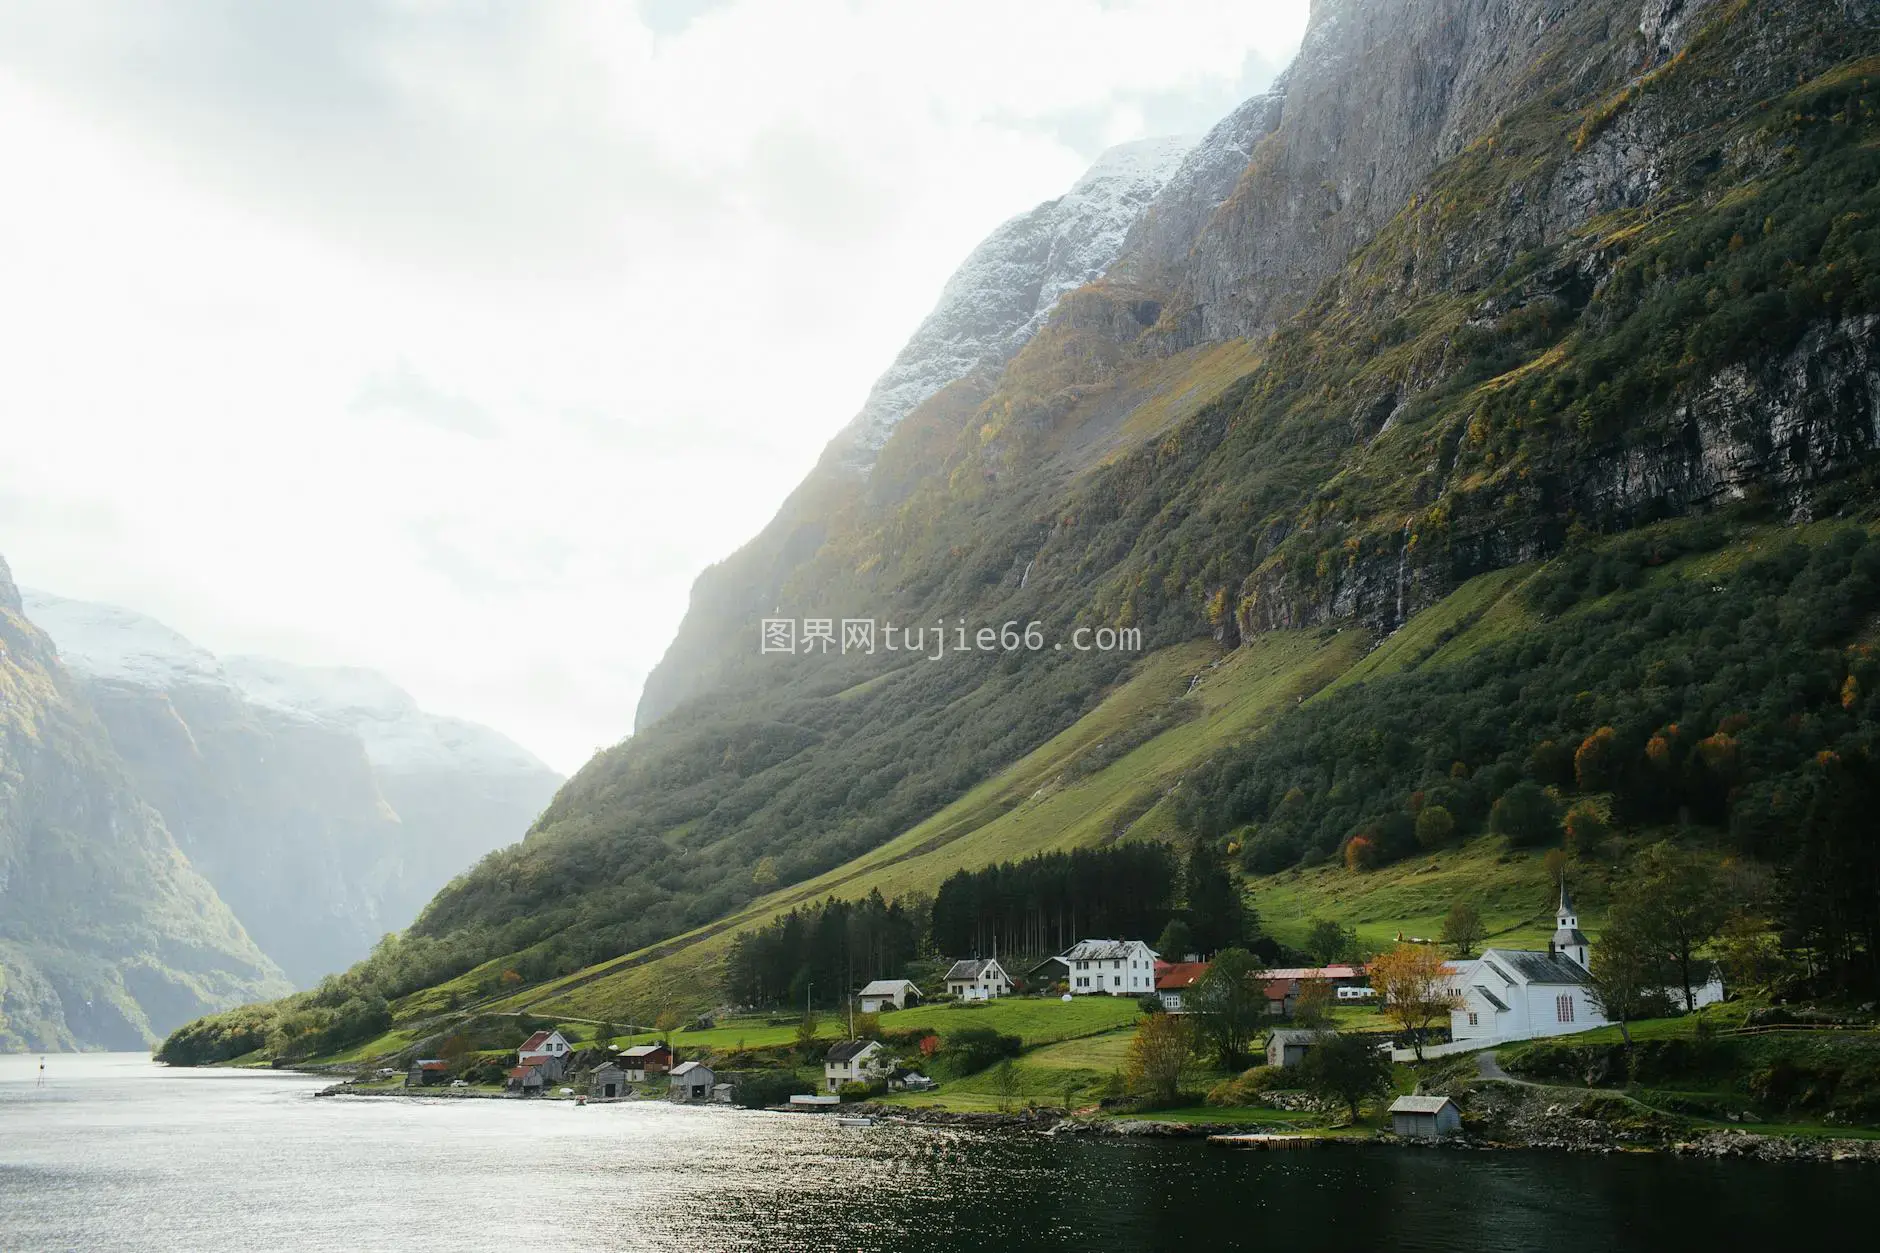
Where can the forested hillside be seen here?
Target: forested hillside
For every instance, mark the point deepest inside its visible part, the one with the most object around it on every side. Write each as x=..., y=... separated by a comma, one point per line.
x=1495, y=285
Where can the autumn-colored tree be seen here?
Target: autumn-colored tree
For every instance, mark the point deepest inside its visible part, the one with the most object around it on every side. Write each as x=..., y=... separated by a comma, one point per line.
x=1586, y=829
x=929, y=1045
x=1313, y=1006
x=1595, y=762
x=1414, y=988
x=510, y=978
x=1360, y=854
x=1462, y=928
x=1160, y=1056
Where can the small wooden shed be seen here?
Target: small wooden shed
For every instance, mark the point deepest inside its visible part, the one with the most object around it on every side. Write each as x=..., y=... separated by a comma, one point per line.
x=1425, y=1117
x=609, y=1082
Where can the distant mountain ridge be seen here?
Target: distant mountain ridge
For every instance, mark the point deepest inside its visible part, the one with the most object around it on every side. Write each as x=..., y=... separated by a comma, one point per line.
x=322, y=802
x=109, y=937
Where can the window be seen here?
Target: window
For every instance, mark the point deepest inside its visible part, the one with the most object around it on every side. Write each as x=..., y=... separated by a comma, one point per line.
x=1474, y=1021
x=1563, y=1007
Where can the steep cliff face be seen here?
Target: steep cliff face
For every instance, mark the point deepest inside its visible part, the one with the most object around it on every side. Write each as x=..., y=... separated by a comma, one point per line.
x=990, y=308
x=108, y=935
x=325, y=807
x=1490, y=275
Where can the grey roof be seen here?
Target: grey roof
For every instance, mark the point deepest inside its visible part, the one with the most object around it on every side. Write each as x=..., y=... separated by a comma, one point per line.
x=1569, y=935
x=848, y=1050
x=1494, y=1000
x=888, y=987
x=1293, y=1035
x=685, y=1068
x=974, y=967
x=1101, y=950
x=1540, y=967
x=643, y=1050
x=1566, y=897
x=1419, y=1104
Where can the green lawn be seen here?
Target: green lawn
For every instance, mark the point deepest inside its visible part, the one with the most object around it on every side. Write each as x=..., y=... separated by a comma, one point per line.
x=1035, y=1020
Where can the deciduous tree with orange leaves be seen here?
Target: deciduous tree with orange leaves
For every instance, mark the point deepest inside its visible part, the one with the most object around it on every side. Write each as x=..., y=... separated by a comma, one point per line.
x=1414, y=988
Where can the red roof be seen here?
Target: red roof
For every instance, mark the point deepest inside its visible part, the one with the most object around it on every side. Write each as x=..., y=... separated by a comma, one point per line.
x=1174, y=976
x=1278, y=989
x=536, y=1041
x=535, y=1061
x=1311, y=972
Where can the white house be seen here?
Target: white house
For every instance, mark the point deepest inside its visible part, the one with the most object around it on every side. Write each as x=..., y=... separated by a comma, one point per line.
x=883, y=994
x=1115, y=967
x=854, y=1061
x=1519, y=994
x=978, y=979
x=543, y=1044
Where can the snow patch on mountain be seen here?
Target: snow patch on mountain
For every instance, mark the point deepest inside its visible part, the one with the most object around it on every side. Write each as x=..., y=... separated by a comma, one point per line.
x=106, y=642
x=399, y=737
x=1007, y=286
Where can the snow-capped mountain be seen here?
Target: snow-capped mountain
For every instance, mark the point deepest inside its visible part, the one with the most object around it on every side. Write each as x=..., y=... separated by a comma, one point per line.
x=324, y=805
x=398, y=736
x=1008, y=285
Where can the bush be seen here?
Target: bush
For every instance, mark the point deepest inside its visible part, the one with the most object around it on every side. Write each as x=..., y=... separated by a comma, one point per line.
x=1526, y=815
x=971, y=1049
x=759, y=1089
x=1435, y=826
x=858, y=1091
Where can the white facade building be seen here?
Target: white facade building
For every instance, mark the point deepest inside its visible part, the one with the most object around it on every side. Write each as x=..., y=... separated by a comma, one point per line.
x=978, y=979
x=543, y=1044
x=854, y=1061
x=1521, y=994
x=1113, y=967
x=888, y=994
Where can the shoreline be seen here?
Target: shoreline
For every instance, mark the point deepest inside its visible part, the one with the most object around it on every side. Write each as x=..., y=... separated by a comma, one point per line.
x=1583, y=1135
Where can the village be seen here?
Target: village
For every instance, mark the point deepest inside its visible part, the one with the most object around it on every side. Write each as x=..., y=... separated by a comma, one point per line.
x=1286, y=1052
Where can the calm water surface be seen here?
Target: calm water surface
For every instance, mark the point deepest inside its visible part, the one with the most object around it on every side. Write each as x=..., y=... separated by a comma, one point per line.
x=117, y=1153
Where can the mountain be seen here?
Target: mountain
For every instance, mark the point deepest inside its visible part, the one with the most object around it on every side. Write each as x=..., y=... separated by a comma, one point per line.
x=108, y=936
x=1421, y=419
x=323, y=804
x=990, y=308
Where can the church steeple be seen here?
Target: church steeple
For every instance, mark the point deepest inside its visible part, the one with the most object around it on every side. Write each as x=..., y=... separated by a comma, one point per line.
x=1568, y=941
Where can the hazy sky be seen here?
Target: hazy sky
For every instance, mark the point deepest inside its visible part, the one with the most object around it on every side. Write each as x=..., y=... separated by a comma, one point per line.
x=454, y=339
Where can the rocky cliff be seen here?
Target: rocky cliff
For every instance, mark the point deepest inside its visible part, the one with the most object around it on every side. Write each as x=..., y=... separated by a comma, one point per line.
x=324, y=805
x=1477, y=280
x=109, y=937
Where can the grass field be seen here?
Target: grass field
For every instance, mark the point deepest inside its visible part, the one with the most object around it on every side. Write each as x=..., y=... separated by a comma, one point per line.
x=1046, y=801
x=1035, y=1020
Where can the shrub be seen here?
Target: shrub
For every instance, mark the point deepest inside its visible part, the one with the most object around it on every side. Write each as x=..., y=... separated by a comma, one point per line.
x=1586, y=829
x=1435, y=826
x=1526, y=815
x=971, y=1049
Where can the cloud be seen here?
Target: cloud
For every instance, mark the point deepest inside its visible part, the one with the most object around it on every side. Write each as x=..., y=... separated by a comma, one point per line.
x=453, y=340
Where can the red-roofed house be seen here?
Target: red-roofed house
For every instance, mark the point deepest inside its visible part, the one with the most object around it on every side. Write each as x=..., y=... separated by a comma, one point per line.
x=1172, y=979
x=544, y=1044
x=527, y=1080
x=427, y=1071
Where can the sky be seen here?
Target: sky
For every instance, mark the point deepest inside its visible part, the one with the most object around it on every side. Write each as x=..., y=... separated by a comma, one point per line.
x=454, y=339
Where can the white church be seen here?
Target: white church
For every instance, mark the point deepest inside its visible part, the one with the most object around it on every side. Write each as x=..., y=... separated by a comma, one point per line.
x=1517, y=994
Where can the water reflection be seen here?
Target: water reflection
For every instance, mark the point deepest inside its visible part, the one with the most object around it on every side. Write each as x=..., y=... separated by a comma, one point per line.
x=118, y=1154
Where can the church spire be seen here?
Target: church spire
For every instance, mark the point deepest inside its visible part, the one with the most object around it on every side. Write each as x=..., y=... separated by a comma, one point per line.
x=1569, y=941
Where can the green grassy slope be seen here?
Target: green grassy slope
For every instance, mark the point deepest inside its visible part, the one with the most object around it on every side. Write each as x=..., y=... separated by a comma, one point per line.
x=1067, y=794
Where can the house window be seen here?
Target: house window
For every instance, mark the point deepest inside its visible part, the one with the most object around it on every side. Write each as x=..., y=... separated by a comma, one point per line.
x=1474, y=1021
x=1563, y=1007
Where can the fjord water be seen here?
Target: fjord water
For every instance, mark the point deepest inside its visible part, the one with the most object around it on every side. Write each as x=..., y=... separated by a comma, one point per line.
x=115, y=1153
